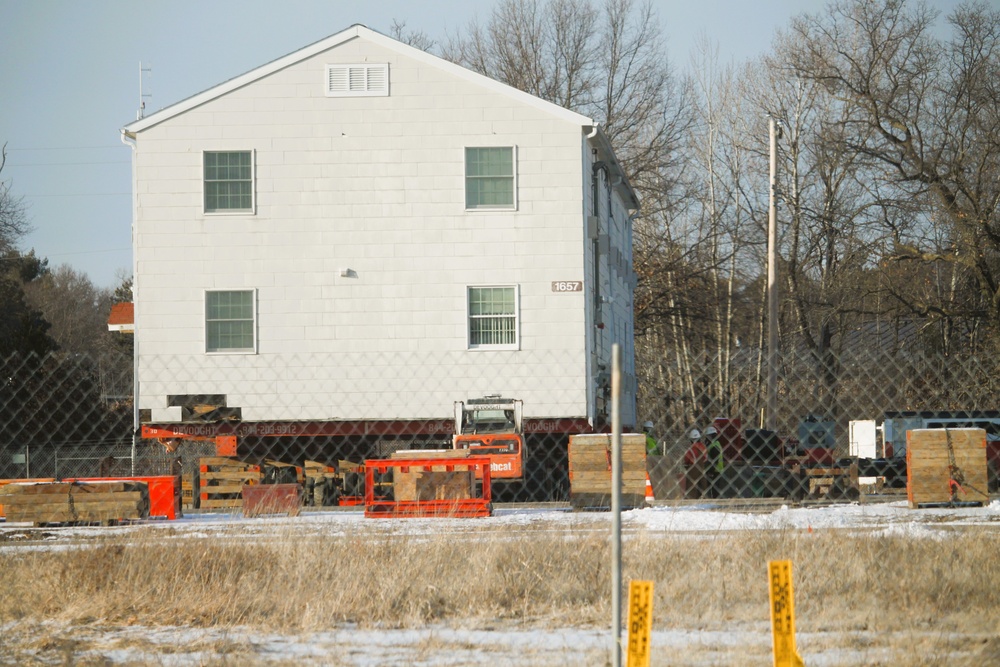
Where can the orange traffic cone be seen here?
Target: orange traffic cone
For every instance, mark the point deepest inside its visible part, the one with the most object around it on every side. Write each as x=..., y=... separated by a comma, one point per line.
x=649, y=490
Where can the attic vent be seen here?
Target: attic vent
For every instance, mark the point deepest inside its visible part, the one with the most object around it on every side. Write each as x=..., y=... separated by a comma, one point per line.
x=357, y=80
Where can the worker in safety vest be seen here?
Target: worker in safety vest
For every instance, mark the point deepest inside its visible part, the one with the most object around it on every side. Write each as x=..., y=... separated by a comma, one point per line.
x=694, y=466
x=716, y=462
x=652, y=449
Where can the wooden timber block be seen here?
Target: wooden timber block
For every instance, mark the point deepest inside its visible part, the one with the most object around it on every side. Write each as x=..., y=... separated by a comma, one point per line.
x=37, y=503
x=430, y=454
x=437, y=483
x=590, y=470
x=350, y=466
x=10, y=491
x=317, y=469
x=5, y=482
x=222, y=461
x=930, y=456
x=110, y=501
x=66, y=502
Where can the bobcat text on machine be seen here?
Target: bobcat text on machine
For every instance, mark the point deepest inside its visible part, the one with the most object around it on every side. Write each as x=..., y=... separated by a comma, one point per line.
x=492, y=426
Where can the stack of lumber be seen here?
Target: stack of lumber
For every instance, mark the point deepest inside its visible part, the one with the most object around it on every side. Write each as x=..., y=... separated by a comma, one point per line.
x=436, y=483
x=590, y=470
x=4, y=482
x=75, y=502
x=936, y=456
x=221, y=481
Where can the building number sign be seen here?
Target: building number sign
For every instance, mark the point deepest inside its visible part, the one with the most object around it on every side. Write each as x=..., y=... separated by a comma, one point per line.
x=567, y=285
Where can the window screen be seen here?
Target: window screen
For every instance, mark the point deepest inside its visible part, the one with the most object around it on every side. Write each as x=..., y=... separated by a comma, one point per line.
x=229, y=321
x=489, y=177
x=228, y=181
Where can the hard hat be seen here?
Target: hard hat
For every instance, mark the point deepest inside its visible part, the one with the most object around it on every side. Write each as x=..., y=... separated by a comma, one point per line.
x=648, y=426
x=711, y=431
x=695, y=434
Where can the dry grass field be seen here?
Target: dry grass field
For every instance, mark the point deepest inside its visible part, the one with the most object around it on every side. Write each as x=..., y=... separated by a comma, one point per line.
x=171, y=595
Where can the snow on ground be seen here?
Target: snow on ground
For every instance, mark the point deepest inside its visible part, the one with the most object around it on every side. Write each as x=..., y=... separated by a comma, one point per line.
x=443, y=646
x=891, y=517
x=888, y=516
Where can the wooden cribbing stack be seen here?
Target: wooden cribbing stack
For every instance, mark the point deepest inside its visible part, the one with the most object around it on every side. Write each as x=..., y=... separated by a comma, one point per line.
x=221, y=481
x=590, y=470
x=435, y=483
x=946, y=467
x=75, y=502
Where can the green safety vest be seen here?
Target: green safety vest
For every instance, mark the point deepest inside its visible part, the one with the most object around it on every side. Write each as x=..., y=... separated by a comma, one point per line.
x=715, y=459
x=650, y=444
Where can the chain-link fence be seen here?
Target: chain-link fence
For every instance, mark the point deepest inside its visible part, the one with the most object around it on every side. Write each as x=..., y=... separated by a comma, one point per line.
x=72, y=416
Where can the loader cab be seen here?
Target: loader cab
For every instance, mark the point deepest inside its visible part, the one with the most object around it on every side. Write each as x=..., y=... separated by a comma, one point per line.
x=491, y=426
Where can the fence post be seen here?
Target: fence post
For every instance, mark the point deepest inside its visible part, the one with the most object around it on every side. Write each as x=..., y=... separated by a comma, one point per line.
x=616, y=503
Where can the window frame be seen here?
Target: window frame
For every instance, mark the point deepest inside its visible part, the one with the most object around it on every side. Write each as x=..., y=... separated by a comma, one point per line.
x=516, y=314
x=253, y=322
x=514, y=182
x=253, y=184
x=367, y=68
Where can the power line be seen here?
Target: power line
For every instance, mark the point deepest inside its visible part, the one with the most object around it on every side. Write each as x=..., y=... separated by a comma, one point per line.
x=60, y=164
x=84, y=194
x=66, y=148
x=87, y=252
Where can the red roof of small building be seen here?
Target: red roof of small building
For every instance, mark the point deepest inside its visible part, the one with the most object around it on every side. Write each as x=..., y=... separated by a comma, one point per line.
x=122, y=317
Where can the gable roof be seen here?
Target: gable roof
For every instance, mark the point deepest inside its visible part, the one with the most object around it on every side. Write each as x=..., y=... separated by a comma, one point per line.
x=353, y=32
x=122, y=317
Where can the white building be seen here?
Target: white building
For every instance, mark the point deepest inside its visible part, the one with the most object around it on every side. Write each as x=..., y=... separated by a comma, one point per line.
x=362, y=231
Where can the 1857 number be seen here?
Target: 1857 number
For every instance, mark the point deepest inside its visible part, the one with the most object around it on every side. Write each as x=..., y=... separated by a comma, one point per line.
x=567, y=285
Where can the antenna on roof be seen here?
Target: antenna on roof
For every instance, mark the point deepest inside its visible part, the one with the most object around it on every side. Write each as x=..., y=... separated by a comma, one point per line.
x=142, y=96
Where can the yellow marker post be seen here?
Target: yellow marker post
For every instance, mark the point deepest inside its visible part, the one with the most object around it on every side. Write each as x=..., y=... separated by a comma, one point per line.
x=640, y=622
x=783, y=614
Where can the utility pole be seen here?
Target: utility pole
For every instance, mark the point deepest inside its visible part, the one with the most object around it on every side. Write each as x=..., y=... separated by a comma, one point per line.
x=772, y=283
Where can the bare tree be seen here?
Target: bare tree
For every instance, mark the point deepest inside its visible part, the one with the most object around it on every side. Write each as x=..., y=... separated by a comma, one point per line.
x=75, y=307
x=927, y=113
x=13, y=214
x=415, y=38
x=609, y=64
x=547, y=50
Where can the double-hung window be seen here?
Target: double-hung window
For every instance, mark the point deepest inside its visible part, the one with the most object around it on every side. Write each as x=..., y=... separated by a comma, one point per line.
x=230, y=321
x=493, y=317
x=490, y=178
x=229, y=182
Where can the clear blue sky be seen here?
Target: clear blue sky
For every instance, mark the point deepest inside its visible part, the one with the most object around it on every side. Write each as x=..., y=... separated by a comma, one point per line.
x=69, y=80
